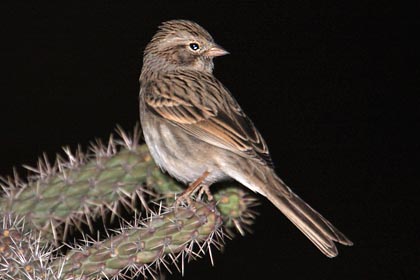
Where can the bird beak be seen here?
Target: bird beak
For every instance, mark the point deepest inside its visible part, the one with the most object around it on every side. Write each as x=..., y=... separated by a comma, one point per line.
x=216, y=50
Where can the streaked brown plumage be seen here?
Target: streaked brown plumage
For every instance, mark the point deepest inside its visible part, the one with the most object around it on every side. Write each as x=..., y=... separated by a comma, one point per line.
x=198, y=133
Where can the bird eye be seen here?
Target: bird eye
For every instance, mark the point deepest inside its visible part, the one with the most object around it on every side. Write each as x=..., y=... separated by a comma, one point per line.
x=194, y=46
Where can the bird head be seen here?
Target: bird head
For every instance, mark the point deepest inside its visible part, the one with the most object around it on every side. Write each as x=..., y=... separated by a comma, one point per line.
x=181, y=44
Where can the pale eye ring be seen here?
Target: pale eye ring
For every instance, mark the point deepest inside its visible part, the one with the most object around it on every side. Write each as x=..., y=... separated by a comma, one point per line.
x=194, y=46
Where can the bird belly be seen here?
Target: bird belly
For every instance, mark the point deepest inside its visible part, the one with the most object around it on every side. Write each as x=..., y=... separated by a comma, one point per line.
x=182, y=155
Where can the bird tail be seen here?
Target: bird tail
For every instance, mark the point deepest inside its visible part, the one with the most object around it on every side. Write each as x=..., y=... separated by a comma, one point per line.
x=315, y=227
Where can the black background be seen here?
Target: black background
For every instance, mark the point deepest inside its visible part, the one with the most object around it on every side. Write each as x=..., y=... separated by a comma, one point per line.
x=323, y=83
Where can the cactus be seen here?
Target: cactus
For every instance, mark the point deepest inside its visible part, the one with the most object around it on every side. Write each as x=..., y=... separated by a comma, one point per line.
x=85, y=194
x=173, y=234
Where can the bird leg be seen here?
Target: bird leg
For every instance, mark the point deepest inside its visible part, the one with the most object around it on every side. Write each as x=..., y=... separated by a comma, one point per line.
x=192, y=188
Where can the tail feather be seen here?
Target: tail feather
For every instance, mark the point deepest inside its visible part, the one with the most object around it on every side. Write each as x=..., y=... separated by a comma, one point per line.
x=315, y=227
x=312, y=224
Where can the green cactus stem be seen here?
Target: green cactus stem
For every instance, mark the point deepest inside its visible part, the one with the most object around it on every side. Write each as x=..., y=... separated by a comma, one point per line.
x=167, y=236
x=235, y=206
x=79, y=189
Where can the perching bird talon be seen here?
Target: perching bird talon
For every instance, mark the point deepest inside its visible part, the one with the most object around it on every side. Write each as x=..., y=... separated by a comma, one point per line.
x=185, y=197
x=204, y=189
x=184, y=200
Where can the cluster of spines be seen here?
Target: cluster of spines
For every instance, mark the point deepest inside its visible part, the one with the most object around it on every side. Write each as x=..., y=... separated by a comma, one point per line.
x=22, y=255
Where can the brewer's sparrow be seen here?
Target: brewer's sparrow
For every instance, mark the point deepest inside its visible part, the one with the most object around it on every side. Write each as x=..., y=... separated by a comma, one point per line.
x=198, y=133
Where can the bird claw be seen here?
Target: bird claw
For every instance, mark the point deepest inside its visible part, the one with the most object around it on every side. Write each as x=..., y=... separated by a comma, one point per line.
x=205, y=190
x=185, y=197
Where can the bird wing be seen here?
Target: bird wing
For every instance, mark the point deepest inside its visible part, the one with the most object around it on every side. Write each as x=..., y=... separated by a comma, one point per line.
x=204, y=108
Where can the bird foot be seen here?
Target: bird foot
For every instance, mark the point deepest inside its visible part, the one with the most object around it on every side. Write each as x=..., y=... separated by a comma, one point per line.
x=205, y=190
x=186, y=197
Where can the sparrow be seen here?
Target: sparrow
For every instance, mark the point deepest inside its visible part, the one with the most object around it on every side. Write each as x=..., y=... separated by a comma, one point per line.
x=197, y=132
